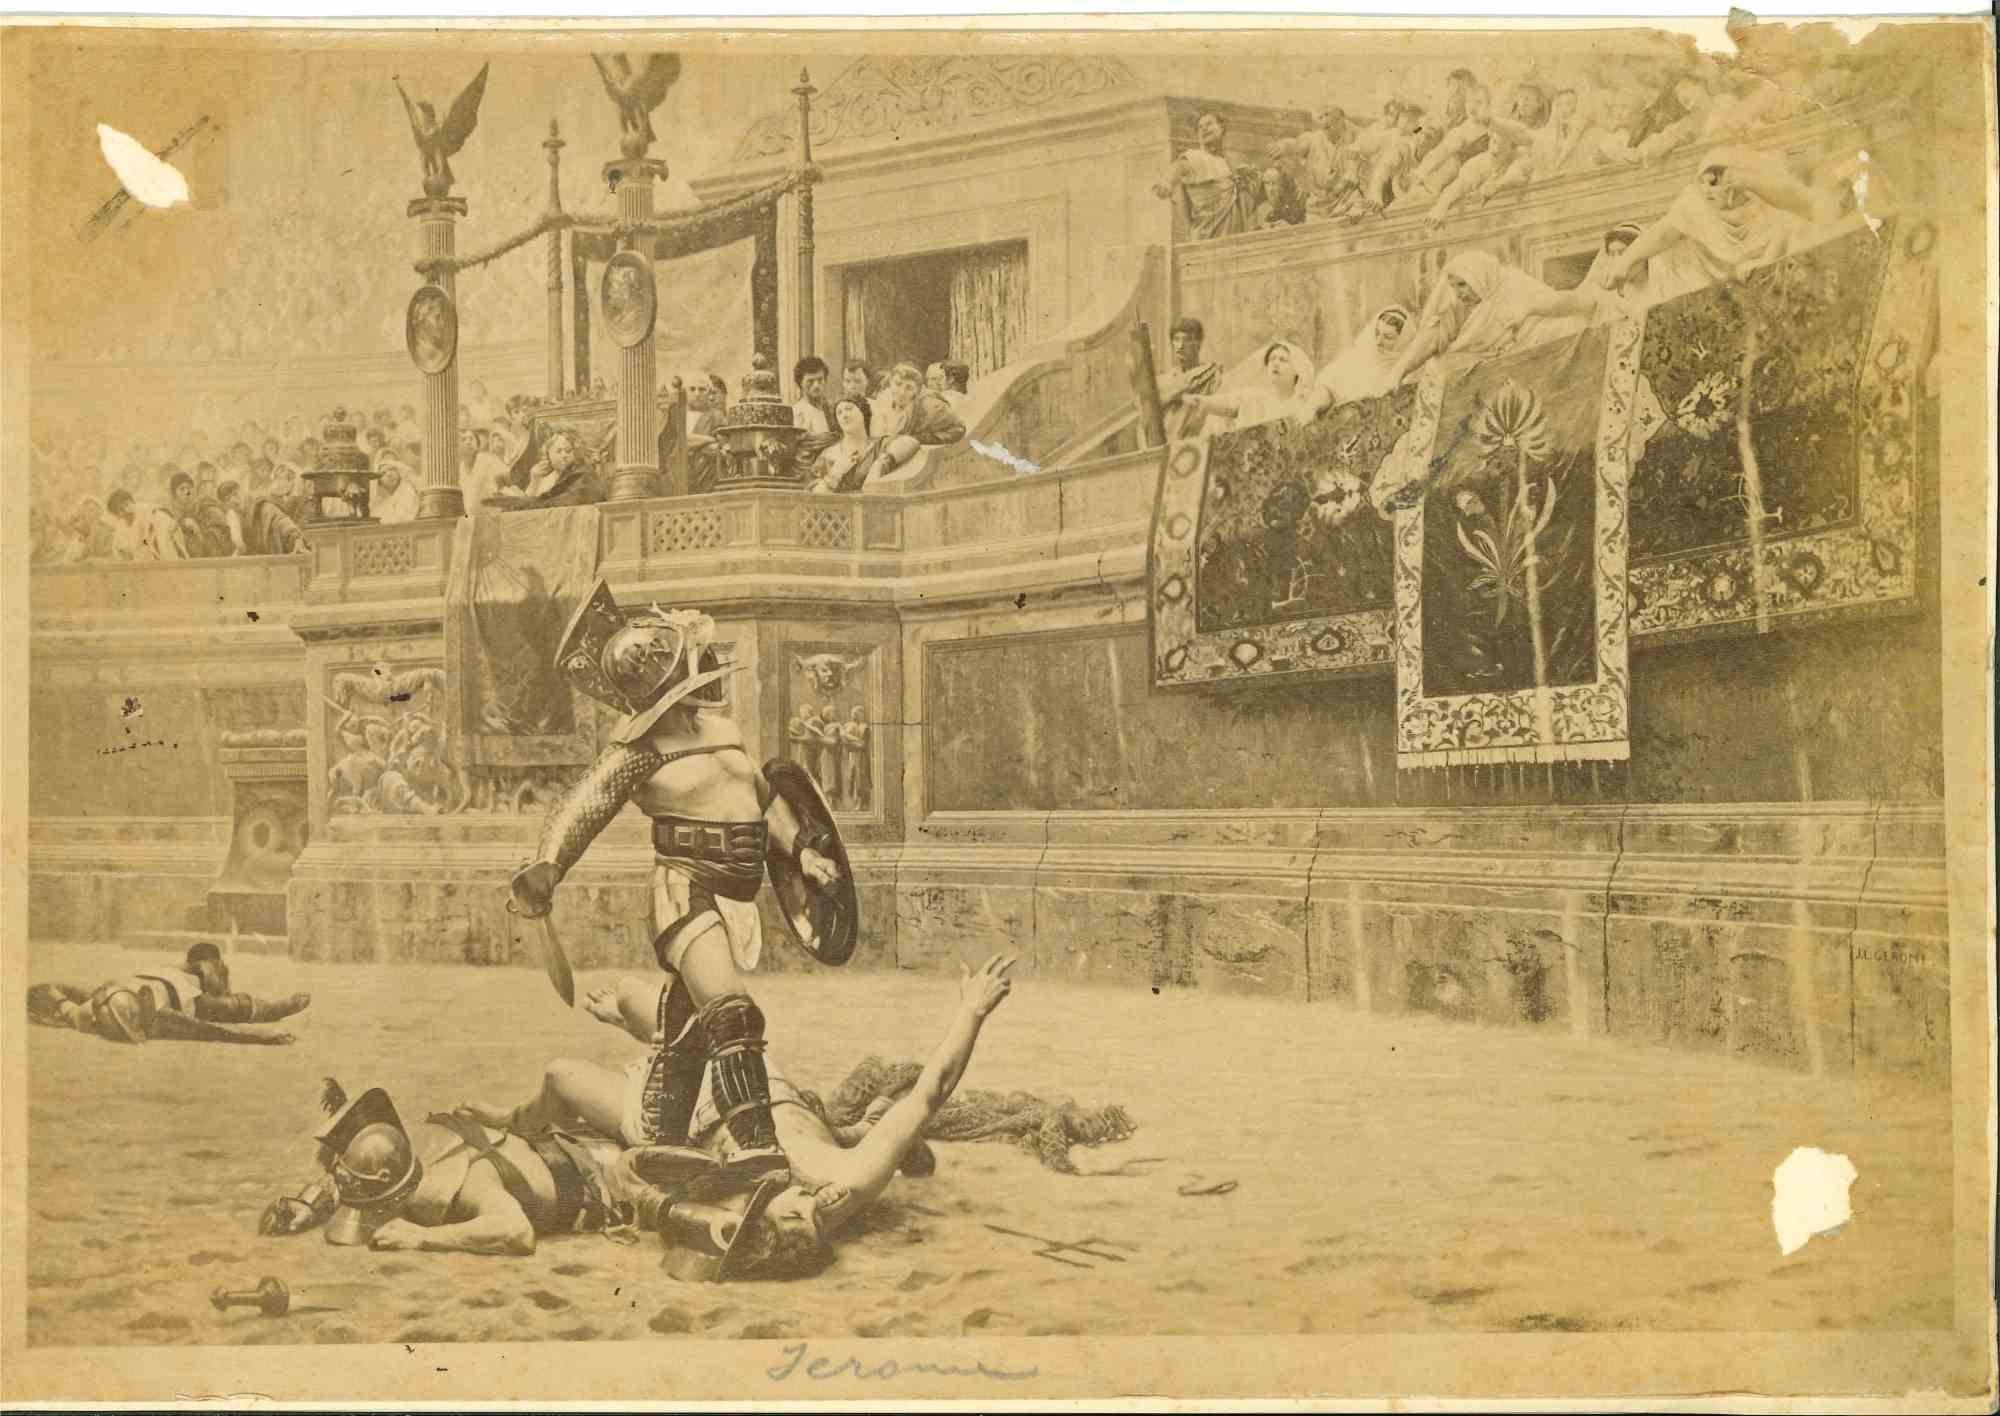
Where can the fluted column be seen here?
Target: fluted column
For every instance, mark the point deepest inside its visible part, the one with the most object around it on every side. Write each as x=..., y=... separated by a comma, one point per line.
x=638, y=470
x=437, y=224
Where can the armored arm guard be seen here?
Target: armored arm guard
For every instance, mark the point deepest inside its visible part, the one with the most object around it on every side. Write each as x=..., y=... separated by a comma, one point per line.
x=591, y=804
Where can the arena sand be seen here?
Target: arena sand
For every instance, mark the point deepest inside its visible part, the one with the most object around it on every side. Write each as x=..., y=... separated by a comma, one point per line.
x=1392, y=1174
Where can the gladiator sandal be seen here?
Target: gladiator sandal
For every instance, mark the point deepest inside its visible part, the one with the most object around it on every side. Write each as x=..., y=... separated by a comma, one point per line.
x=734, y=1028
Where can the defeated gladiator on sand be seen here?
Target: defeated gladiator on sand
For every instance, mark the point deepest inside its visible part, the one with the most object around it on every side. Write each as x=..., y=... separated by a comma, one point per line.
x=492, y=1180
x=192, y=1003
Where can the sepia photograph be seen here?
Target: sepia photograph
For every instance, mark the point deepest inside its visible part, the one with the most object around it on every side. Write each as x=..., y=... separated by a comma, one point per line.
x=972, y=713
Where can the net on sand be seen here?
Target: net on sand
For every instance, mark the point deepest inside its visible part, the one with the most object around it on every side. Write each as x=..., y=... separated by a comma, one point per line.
x=1046, y=1129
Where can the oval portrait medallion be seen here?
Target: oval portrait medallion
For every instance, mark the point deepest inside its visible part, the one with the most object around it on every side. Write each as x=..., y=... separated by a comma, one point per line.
x=431, y=330
x=628, y=298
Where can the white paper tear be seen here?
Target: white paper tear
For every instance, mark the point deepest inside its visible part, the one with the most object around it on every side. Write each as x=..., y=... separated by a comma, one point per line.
x=1861, y=193
x=1810, y=1196
x=1006, y=458
x=147, y=178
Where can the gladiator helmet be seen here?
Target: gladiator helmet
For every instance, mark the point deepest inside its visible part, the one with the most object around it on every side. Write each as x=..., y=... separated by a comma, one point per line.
x=371, y=1161
x=641, y=662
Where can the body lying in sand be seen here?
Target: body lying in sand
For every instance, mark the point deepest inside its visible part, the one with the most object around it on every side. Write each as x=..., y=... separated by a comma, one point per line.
x=834, y=1176
x=188, y=1003
x=490, y=1180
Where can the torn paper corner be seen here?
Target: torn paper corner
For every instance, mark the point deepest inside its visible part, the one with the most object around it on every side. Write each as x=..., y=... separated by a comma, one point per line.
x=1810, y=1196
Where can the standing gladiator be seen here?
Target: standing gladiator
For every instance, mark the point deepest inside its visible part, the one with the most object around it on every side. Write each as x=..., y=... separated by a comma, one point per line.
x=718, y=823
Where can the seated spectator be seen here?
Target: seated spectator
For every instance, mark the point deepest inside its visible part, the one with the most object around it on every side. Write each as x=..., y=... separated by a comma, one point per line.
x=1458, y=87
x=812, y=414
x=474, y=484
x=1630, y=285
x=1482, y=309
x=1617, y=111
x=69, y=541
x=501, y=443
x=393, y=499
x=934, y=378
x=122, y=518
x=1281, y=204
x=711, y=397
x=204, y=524
x=227, y=501
x=1391, y=150
x=1676, y=119
x=1506, y=138
x=1558, y=146
x=1334, y=176
x=268, y=529
x=909, y=419
x=1743, y=209
x=713, y=392
x=1436, y=180
x=1366, y=368
x=1284, y=390
x=957, y=383
x=162, y=538
x=1189, y=377
x=563, y=476
x=856, y=378
x=840, y=466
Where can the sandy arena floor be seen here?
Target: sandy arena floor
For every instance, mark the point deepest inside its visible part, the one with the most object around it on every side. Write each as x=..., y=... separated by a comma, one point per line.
x=1393, y=1175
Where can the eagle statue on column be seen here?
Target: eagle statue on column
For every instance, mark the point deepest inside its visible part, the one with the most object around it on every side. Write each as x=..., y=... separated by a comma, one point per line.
x=637, y=95
x=437, y=142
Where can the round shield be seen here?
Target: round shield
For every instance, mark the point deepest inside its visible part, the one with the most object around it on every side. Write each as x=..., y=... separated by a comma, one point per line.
x=628, y=297
x=824, y=920
x=431, y=330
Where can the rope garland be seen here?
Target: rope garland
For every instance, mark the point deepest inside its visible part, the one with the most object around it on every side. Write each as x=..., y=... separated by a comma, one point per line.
x=689, y=231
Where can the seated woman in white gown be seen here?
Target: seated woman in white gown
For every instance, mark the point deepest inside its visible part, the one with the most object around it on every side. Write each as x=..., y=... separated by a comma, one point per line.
x=1366, y=367
x=1743, y=209
x=1276, y=384
x=1483, y=309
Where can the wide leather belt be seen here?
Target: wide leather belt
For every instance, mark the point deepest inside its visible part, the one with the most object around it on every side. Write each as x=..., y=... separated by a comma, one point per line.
x=725, y=842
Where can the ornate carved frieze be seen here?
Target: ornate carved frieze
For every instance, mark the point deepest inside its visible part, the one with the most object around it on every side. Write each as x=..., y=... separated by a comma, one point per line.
x=898, y=97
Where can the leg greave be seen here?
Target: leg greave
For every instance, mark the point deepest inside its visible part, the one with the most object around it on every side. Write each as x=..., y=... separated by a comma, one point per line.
x=734, y=1028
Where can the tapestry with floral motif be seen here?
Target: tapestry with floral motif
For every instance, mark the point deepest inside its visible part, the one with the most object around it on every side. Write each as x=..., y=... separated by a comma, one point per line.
x=1775, y=442
x=1267, y=559
x=1510, y=634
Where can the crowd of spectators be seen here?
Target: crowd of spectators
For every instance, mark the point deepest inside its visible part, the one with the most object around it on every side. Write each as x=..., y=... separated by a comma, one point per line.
x=874, y=424
x=232, y=491
x=1473, y=140
x=241, y=490
x=1744, y=208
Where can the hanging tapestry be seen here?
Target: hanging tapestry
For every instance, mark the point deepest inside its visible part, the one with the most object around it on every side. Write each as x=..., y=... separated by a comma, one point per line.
x=1810, y=362
x=1266, y=557
x=516, y=578
x=1510, y=559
